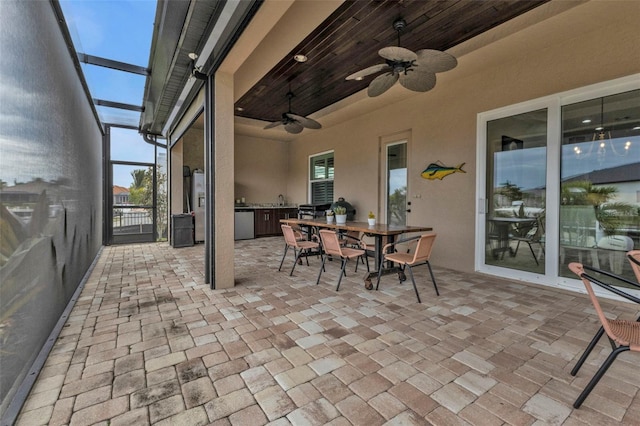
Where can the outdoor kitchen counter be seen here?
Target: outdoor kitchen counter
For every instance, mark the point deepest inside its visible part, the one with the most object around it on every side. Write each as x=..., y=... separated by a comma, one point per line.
x=265, y=206
x=267, y=217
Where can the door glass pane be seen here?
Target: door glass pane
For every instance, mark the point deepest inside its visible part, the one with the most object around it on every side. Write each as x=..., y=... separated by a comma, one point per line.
x=600, y=183
x=516, y=191
x=397, y=184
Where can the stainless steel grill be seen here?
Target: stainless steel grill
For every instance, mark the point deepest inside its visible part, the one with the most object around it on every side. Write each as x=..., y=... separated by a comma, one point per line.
x=312, y=211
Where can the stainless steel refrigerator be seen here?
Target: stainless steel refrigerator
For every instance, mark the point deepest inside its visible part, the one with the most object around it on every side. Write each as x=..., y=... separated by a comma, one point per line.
x=197, y=201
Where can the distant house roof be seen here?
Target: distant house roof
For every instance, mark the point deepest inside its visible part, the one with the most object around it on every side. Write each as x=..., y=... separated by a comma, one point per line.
x=626, y=173
x=36, y=186
x=118, y=190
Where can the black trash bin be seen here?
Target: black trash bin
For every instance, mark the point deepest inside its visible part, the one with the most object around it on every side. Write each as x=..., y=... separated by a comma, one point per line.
x=181, y=230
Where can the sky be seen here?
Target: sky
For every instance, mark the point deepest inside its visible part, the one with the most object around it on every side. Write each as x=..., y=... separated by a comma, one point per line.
x=120, y=30
x=526, y=168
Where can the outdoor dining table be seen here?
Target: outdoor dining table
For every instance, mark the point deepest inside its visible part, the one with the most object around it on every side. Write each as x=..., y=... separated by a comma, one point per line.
x=379, y=231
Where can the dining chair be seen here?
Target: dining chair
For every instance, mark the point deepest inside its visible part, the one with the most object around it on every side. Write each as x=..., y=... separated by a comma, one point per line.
x=624, y=335
x=355, y=239
x=530, y=234
x=331, y=247
x=497, y=240
x=300, y=247
x=634, y=260
x=420, y=256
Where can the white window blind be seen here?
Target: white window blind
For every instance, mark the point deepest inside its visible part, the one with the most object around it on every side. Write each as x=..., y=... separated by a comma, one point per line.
x=321, y=178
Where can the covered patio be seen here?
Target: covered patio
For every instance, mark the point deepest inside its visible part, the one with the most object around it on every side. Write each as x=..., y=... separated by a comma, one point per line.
x=148, y=342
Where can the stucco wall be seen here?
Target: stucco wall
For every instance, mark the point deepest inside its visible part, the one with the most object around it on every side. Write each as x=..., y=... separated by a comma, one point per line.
x=193, y=148
x=178, y=185
x=222, y=210
x=261, y=170
x=591, y=43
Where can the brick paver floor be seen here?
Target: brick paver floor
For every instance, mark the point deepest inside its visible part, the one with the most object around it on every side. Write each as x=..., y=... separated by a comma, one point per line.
x=149, y=343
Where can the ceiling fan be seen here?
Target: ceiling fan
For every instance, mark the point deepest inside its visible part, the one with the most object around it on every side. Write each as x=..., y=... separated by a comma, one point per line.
x=294, y=123
x=415, y=70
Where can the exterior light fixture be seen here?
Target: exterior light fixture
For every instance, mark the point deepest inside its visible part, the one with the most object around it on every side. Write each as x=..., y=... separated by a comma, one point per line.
x=300, y=58
x=196, y=71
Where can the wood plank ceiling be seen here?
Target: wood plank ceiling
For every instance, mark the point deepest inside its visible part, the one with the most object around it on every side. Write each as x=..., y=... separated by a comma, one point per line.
x=349, y=40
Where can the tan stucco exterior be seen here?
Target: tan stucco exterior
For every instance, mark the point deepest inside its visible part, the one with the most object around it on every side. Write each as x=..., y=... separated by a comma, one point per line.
x=223, y=183
x=178, y=187
x=261, y=174
x=560, y=46
x=591, y=42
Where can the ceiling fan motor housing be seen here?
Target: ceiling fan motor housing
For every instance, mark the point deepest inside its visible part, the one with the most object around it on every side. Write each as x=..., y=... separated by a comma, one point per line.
x=294, y=123
x=415, y=71
x=399, y=24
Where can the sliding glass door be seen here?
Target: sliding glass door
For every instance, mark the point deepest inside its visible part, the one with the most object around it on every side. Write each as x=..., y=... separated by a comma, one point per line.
x=516, y=191
x=600, y=182
x=559, y=182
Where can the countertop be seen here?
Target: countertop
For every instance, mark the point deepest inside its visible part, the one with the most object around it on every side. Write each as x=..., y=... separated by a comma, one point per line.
x=258, y=206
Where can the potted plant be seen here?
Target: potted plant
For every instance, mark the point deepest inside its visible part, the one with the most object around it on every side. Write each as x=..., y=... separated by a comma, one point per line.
x=371, y=218
x=329, y=215
x=341, y=214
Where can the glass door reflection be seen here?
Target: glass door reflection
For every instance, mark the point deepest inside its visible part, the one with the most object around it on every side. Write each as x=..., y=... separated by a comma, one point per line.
x=516, y=191
x=600, y=183
x=396, y=183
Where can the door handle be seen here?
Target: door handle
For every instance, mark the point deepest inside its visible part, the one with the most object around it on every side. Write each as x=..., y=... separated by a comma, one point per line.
x=408, y=210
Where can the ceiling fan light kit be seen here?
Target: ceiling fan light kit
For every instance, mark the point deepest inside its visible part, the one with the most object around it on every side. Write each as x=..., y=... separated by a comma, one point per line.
x=415, y=71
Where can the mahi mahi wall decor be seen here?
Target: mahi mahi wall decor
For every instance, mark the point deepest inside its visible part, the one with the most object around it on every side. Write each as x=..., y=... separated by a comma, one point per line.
x=438, y=170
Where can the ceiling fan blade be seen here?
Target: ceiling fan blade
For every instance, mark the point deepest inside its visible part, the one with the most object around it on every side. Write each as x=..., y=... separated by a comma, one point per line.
x=435, y=60
x=272, y=125
x=418, y=81
x=381, y=84
x=293, y=127
x=309, y=123
x=394, y=53
x=367, y=71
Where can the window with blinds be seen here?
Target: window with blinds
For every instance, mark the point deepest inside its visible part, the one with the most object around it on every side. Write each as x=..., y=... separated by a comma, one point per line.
x=321, y=178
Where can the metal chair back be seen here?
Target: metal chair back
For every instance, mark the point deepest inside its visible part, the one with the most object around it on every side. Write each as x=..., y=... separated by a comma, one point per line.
x=423, y=249
x=634, y=260
x=330, y=242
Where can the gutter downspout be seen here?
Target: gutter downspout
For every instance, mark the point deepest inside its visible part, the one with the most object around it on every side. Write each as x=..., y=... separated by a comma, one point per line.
x=147, y=137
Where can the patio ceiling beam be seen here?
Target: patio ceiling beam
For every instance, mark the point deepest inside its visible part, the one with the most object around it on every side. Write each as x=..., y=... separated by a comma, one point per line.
x=110, y=63
x=119, y=105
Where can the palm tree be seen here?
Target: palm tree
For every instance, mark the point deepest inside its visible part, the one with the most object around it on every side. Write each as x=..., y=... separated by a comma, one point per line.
x=138, y=178
x=137, y=188
x=607, y=213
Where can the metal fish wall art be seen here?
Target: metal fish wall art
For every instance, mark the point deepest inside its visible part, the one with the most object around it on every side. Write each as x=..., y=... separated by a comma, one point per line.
x=438, y=170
